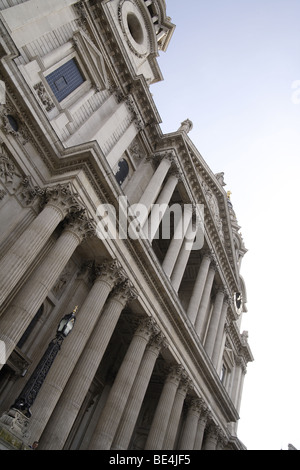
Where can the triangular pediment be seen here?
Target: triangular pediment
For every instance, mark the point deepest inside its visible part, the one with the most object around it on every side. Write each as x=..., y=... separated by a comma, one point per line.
x=92, y=58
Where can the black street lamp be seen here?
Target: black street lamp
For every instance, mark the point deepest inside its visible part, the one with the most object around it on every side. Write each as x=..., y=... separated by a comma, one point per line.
x=28, y=395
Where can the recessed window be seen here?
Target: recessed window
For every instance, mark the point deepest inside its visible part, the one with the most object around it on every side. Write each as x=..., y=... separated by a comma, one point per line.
x=64, y=80
x=135, y=28
x=122, y=172
x=13, y=122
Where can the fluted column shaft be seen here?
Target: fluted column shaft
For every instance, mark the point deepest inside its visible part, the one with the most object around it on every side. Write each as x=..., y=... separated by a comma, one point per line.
x=161, y=205
x=27, y=302
x=200, y=320
x=220, y=333
x=198, y=288
x=177, y=241
x=200, y=430
x=174, y=420
x=15, y=262
x=116, y=402
x=214, y=323
x=162, y=414
x=182, y=258
x=211, y=439
x=59, y=375
x=188, y=437
x=154, y=186
x=137, y=393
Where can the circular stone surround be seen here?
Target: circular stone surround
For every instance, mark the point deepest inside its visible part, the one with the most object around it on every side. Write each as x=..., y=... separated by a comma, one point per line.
x=134, y=28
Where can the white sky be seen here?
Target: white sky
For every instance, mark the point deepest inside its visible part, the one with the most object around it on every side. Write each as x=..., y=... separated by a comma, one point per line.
x=230, y=68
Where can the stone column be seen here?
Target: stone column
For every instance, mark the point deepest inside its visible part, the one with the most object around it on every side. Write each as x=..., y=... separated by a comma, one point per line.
x=154, y=186
x=161, y=418
x=188, y=437
x=204, y=416
x=211, y=438
x=214, y=322
x=237, y=380
x=220, y=333
x=161, y=205
x=29, y=299
x=54, y=386
x=16, y=261
x=182, y=258
x=198, y=288
x=177, y=241
x=201, y=315
x=174, y=420
x=110, y=417
x=137, y=393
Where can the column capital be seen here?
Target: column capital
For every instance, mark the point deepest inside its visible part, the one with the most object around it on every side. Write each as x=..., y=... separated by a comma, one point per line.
x=158, y=342
x=80, y=224
x=124, y=292
x=62, y=197
x=110, y=271
x=176, y=373
x=147, y=327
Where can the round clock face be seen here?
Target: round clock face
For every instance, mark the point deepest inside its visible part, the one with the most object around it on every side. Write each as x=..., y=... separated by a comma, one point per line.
x=134, y=28
x=238, y=302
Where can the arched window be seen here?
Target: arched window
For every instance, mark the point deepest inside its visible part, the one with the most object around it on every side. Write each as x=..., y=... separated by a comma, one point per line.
x=122, y=171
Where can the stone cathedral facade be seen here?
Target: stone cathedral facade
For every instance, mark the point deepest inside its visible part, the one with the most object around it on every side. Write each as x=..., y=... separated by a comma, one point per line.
x=157, y=357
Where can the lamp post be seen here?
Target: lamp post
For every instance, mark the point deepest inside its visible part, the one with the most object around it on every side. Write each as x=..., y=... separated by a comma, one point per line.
x=29, y=393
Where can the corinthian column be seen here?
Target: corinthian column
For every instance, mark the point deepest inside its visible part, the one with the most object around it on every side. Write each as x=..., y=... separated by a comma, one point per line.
x=154, y=186
x=137, y=393
x=16, y=261
x=198, y=288
x=187, y=440
x=177, y=240
x=201, y=315
x=29, y=299
x=174, y=420
x=214, y=322
x=107, y=275
x=211, y=438
x=204, y=416
x=161, y=418
x=162, y=204
x=110, y=418
x=220, y=333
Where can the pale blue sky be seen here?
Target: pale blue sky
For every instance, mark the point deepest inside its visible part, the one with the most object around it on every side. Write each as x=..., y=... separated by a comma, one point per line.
x=230, y=68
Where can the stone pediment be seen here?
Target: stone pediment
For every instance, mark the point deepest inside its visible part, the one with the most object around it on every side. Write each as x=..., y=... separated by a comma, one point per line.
x=92, y=58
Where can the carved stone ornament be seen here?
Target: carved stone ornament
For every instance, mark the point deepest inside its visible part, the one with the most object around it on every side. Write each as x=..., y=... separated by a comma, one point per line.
x=8, y=171
x=109, y=271
x=214, y=208
x=16, y=422
x=43, y=96
x=63, y=197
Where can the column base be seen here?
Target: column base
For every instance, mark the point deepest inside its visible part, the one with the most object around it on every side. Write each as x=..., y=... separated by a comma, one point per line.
x=13, y=431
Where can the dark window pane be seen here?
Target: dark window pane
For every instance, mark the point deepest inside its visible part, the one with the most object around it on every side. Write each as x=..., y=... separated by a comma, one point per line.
x=123, y=170
x=65, y=79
